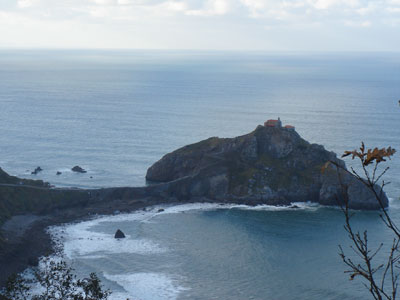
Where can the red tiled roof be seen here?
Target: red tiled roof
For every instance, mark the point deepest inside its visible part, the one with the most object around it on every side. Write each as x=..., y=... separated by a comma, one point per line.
x=271, y=123
x=289, y=126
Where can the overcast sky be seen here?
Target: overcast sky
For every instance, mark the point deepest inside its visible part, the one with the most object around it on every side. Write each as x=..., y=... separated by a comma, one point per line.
x=290, y=25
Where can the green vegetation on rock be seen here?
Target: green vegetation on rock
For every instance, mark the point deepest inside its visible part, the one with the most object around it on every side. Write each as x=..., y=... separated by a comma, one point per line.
x=267, y=166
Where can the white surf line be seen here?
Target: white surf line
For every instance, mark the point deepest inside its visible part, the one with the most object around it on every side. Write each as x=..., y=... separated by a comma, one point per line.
x=146, y=286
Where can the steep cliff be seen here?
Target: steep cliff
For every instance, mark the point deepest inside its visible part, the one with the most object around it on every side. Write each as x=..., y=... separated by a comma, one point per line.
x=269, y=165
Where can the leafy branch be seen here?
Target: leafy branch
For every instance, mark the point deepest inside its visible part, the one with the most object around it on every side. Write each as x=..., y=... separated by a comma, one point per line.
x=56, y=282
x=382, y=279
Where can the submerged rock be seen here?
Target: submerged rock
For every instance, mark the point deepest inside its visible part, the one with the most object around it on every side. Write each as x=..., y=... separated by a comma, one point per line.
x=58, y=173
x=119, y=234
x=78, y=169
x=161, y=210
x=270, y=165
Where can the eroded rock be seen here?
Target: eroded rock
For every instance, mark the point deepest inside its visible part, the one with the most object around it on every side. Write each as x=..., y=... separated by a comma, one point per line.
x=267, y=166
x=78, y=169
x=36, y=171
x=119, y=234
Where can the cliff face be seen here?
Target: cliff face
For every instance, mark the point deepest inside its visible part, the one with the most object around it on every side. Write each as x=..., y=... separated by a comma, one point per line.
x=269, y=165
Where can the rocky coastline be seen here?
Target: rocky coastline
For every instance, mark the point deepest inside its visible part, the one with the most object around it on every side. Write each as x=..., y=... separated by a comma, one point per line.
x=270, y=165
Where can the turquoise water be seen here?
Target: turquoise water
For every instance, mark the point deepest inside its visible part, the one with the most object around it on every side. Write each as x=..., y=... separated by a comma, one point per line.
x=117, y=112
x=211, y=252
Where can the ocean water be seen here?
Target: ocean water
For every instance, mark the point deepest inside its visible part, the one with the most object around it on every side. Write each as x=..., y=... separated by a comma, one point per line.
x=116, y=112
x=211, y=251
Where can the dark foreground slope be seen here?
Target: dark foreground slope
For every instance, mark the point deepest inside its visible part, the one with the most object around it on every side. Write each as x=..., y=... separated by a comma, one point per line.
x=267, y=166
x=27, y=210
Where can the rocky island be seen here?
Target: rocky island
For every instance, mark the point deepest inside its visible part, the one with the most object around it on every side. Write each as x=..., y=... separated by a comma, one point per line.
x=271, y=165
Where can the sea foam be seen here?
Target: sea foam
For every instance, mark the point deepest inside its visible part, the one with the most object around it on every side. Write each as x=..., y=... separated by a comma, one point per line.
x=81, y=240
x=146, y=286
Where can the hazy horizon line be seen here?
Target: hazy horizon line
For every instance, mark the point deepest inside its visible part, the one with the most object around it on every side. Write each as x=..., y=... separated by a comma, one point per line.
x=191, y=50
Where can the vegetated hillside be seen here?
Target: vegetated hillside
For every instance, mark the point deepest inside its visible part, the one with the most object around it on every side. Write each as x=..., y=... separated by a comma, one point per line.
x=21, y=196
x=8, y=179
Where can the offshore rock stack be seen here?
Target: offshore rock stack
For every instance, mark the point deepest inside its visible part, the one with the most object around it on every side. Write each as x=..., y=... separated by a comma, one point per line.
x=119, y=234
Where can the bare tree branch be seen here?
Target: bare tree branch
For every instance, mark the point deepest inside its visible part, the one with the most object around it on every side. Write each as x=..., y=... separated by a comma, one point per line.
x=367, y=269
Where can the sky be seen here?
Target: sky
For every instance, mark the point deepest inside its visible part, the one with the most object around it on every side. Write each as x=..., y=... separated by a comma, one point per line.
x=272, y=25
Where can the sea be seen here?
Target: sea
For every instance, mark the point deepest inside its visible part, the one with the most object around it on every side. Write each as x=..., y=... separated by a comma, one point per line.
x=116, y=112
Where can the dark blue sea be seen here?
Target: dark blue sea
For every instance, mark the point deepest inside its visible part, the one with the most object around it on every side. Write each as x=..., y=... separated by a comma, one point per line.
x=115, y=113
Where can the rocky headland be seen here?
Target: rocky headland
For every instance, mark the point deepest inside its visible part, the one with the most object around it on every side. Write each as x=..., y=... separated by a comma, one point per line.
x=270, y=165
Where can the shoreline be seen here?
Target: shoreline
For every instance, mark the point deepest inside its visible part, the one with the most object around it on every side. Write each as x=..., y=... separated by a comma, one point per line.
x=270, y=165
x=35, y=241
x=23, y=251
